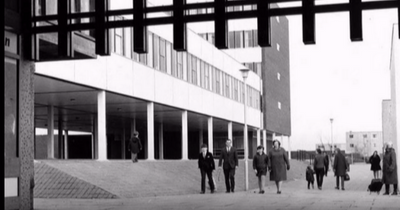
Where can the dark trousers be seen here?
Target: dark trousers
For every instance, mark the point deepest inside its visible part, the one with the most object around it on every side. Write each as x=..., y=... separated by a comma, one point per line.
x=319, y=173
x=341, y=181
x=203, y=180
x=310, y=182
x=387, y=186
x=230, y=179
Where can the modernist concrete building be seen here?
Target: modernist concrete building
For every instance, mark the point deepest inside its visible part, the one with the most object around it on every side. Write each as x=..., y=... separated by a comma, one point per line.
x=364, y=142
x=390, y=108
x=271, y=64
x=176, y=100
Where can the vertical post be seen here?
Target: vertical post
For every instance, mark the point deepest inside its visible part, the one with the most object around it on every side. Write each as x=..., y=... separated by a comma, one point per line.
x=50, y=132
x=308, y=21
x=355, y=20
x=101, y=126
x=263, y=24
x=184, y=135
x=161, y=141
x=230, y=131
x=221, y=24
x=201, y=137
x=66, y=144
x=64, y=37
x=245, y=143
x=265, y=140
x=123, y=141
x=139, y=28
x=150, y=131
x=289, y=148
x=102, y=33
x=95, y=139
x=210, y=131
x=179, y=26
x=60, y=136
x=258, y=137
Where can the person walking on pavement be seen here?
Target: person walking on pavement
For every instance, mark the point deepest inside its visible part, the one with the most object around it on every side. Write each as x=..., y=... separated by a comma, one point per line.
x=206, y=166
x=278, y=164
x=375, y=162
x=135, y=146
x=326, y=163
x=230, y=161
x=310, y=177
x=260, y=166
x=340, y=168
x=390, y=169
x=319, y=167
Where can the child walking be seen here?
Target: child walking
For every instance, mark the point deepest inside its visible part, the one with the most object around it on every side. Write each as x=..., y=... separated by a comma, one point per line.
x=310, y=176
x=260, y=166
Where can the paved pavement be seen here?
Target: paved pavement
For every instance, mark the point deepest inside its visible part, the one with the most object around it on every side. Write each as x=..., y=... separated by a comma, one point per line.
x=144, y=179
x=294, y=195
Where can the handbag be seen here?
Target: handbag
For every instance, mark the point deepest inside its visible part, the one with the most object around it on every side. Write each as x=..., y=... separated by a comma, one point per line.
x=346, y=177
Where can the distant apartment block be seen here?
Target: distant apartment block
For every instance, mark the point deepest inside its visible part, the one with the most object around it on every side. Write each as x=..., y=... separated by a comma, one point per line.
x=364, y=142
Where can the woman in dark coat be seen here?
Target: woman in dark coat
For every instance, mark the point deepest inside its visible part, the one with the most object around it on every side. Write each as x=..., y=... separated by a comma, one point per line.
x=340, y=168
x=389, y=169
x=260, y=167
x=135, y=146
x=375, y=161
x=278, y=164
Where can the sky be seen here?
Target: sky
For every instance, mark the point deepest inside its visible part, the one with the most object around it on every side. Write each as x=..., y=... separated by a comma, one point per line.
x=339, y=79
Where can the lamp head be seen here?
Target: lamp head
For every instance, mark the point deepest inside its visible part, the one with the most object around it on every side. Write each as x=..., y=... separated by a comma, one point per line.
x=245, y=73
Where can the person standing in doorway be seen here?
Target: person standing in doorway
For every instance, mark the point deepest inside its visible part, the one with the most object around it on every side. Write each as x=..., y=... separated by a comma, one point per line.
x=319, y=167
x=135, y=146
x=340, y=168
x=390, y=169
x=206, y=166
x=230, y=161
x=278, y=164
x=375, y=162
x=260, y=167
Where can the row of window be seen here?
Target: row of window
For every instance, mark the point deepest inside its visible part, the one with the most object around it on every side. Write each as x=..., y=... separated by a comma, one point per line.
x=236, y=39
x=183, y=65
x=364, y=136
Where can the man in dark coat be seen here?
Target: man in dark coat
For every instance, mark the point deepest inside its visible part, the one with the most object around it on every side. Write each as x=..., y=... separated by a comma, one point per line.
x=340, y=167
x=230, y=158
x=389, y=169
x=206, y=166
x=135, y=146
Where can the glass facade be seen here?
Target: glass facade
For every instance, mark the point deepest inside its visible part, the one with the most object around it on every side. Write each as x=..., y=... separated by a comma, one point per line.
x=185, y=66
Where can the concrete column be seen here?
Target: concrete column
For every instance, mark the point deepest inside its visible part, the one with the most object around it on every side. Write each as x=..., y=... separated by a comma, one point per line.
x=210, y=131
x=60, y=137
x=230, y=131
x=66, y=144
x=101, y=126
x=150, y=131
x=50, y=132
x=161, y=141
x=201, y=137
x=123, y=142
x=258, y=137
x=264, y=133
x=289, y=148
x=184, y=135
x=95, y=139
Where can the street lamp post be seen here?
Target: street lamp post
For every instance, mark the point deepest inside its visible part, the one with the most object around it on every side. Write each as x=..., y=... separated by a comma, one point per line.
x=331, y=140
x=245, y=73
